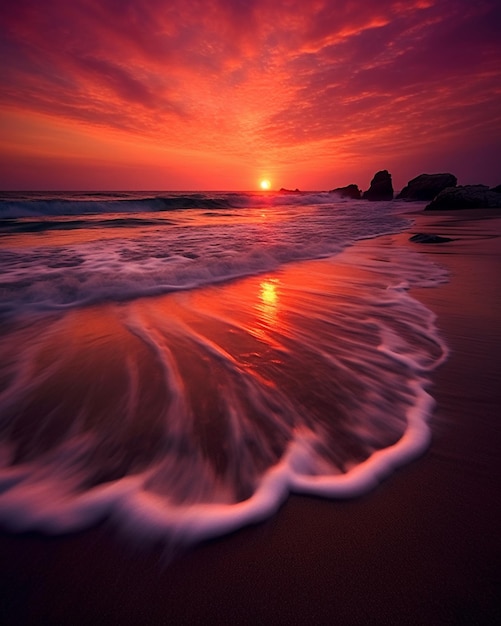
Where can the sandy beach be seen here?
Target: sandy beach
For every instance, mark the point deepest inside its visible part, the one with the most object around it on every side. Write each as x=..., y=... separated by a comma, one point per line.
x=423, y=548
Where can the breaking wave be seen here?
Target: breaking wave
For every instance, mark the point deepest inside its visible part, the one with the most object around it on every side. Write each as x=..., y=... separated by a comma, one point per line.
x=64, y=204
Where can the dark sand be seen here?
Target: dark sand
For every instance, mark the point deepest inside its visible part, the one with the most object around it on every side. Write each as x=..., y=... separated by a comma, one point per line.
x=423, y=548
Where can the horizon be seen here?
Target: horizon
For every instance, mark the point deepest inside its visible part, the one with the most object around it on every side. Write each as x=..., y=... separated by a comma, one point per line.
x=256, y=190
x=166, y=96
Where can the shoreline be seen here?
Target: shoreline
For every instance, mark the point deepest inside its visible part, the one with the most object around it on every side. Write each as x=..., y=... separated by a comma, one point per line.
x=423, y=547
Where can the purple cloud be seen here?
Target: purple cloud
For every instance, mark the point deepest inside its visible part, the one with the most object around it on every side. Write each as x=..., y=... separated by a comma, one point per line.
x=243, y=78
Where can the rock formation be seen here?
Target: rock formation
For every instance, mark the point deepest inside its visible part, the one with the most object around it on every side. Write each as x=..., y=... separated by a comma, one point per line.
x=465, y=197
x=284, y=190
x=428, y=238
x=350, y=191
x=381, y=187
x=427, y=186
x=496, y=189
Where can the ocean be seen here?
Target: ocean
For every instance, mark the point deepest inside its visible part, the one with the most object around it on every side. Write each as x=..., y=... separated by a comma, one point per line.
x=180, y=363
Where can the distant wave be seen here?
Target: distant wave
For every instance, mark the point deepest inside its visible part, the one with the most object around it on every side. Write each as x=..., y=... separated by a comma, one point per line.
x=39, y=205
x=62, y=207
x=35, y=225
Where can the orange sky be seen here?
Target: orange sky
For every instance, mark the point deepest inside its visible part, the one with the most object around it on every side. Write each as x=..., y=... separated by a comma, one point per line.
x=186, y=94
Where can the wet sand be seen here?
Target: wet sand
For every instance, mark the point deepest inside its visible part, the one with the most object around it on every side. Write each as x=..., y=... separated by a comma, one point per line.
x=423, y=548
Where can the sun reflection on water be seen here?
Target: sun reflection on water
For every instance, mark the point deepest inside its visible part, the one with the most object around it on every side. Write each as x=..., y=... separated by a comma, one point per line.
x=268, y=301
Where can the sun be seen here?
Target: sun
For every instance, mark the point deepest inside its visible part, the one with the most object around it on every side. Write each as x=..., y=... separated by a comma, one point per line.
x=265, y=184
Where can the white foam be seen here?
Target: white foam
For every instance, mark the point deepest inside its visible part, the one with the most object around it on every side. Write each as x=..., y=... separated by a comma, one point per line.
x=376, y=338
x=190, y=249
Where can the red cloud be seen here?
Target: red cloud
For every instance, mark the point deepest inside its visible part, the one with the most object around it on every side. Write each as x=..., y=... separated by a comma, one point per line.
x=243, y=78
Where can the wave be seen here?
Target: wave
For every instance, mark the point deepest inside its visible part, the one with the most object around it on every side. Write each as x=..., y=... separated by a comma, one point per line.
x=35, y=225
x=54, y=279
x=69, y=261
x=188, y=417
x=88, y=204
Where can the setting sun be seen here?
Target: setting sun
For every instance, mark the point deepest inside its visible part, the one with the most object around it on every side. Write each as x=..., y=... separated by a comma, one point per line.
x=265, y=184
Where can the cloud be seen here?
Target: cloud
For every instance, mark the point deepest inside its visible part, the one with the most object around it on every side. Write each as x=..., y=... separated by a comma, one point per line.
x=248, y=77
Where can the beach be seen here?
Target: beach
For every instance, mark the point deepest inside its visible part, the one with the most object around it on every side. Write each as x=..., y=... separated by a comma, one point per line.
x=250, y=310
x=421, y=548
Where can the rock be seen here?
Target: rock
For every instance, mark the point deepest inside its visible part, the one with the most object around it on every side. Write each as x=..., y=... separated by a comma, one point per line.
x=381, y=187
x=465, y=197
x=350, y=191
x=496, y=189
x=427, y=186
x=428, y=238
x=284, y=190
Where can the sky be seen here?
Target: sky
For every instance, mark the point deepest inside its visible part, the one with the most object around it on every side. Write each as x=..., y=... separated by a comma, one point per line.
x=221, y=94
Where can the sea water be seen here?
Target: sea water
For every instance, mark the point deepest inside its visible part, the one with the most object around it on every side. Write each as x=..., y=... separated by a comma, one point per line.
x=278, y=356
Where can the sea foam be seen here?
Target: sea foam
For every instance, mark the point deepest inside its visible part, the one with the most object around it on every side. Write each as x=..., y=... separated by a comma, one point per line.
x=61, y=261
x=189, y=416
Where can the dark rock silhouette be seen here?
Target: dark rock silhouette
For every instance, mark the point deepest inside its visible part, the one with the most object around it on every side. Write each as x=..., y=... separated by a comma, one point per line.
x=496, y=189
x=427, y=186
x=428, y=238
x=381, y=187
x=284, y=190
x=350, y=191
x=465, y=197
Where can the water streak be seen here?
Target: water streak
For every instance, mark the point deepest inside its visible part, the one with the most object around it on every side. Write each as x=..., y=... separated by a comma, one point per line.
x=190, y=415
